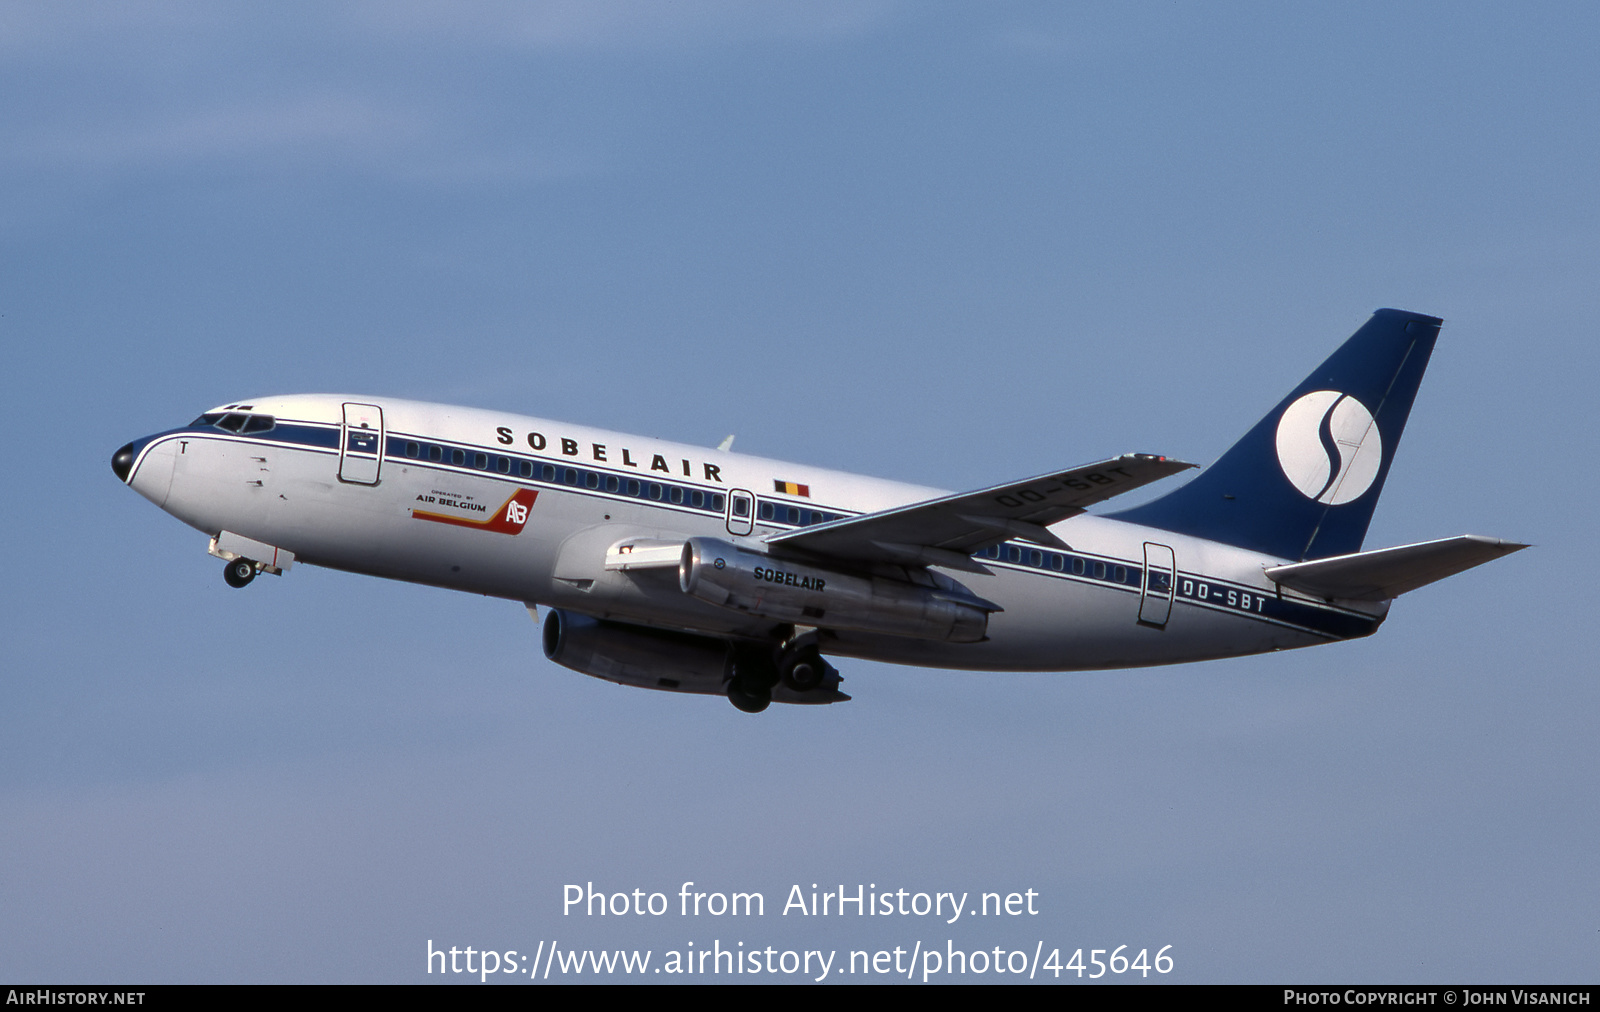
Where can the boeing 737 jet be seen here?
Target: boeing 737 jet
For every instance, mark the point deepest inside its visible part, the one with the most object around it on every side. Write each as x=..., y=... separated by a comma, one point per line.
x=695, y=570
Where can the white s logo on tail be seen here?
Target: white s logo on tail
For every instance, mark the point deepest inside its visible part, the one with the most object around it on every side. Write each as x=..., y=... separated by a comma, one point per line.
x=1329, y=447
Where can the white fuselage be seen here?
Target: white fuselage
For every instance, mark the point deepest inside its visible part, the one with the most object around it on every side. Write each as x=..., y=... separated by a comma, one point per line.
x=1105, y=603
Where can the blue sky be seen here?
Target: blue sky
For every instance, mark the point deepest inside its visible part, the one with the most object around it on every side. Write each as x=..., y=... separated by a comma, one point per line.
x=948, y=244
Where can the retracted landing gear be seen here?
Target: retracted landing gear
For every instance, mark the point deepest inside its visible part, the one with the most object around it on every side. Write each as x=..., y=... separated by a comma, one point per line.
x=801, y=666
x=239, y=572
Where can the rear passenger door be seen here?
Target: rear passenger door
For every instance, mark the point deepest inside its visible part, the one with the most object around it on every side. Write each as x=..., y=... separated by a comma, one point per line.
x=1155, y=592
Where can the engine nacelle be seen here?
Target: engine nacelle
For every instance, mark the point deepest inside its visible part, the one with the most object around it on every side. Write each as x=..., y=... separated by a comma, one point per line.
x=786, y=591
x=662, y=659
x=636, y=655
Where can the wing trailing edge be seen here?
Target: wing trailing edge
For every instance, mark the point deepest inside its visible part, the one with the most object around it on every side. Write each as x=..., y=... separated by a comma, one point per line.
x=946, y=531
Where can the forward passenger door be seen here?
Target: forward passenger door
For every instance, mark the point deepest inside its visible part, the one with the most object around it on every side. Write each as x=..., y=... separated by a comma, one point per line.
x=361, y=444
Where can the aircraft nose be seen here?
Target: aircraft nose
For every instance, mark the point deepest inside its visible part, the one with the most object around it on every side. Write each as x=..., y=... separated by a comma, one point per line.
x=122, y=462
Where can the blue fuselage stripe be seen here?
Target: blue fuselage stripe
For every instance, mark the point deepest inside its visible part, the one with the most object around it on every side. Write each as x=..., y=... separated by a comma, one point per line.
x=1194, y=589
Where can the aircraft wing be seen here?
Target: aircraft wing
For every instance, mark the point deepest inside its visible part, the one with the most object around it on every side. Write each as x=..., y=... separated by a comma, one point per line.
x=1389, y=572
x=946, y=531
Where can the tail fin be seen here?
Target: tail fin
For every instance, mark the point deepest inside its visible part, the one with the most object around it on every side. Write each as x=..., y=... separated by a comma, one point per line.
x=1303, y=482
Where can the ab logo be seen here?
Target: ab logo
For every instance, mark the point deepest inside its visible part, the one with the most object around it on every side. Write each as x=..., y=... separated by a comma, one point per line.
x=1329, y=447
x=516, y=512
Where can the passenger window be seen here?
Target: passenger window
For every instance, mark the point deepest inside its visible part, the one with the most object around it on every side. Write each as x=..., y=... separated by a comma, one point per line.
x=716, y=502
x=766, y=511
x=697, y=499
x=655, y=491
x=741, y=507
x=1077, y=567
x=569, y=476
x=675, y=494
x=794, y=515
x=634, y=488
x=613, y=483
x=458, y=457
x=1120, y=574
x=591, y=479
x=1055, y=562
x=1013, y=553
x=413, y=450
x=503, y=465
x=1099, y=570
x=547, y=473
x=527, y=469
x=1036, y=559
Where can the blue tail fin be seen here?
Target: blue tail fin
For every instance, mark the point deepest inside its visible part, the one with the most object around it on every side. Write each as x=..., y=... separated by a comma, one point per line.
x=1303, y=482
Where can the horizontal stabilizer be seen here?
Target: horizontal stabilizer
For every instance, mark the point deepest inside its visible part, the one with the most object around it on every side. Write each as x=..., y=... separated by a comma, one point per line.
x=1390, y=572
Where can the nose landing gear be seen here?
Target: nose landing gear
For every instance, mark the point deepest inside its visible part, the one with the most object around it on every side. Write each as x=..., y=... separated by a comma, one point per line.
x=245, y=558
x=239, y=572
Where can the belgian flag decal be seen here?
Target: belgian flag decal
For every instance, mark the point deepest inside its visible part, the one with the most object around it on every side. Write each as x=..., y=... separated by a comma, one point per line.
x=790, y=488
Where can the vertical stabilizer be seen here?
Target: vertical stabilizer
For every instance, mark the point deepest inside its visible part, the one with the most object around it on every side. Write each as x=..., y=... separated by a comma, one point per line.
x=1303, y=482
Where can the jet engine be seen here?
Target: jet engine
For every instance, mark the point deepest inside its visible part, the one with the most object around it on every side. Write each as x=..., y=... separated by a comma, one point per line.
x=636, y=655
x=683, y=662
x=807, y=595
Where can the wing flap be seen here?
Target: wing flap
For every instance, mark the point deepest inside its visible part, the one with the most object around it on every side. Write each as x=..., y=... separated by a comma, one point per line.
x=941, y=531
x=1389, y=572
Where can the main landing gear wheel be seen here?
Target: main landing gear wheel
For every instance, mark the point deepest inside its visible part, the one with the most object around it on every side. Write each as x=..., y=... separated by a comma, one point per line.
x=754, y=675
x=239, y=572
x=751, y=698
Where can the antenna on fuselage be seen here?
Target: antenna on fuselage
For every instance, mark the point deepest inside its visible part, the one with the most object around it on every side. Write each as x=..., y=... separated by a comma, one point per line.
x=726, y=444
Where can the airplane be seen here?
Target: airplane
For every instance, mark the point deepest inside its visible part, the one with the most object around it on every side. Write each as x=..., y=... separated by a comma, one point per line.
x=685, y=569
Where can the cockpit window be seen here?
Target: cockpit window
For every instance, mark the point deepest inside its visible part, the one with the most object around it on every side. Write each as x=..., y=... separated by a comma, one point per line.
x=236, y=421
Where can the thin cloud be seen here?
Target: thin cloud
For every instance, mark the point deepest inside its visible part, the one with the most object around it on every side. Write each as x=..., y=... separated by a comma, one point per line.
x=44, y=31
x=312, y=123
x=320, y=129
x=622, y=24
